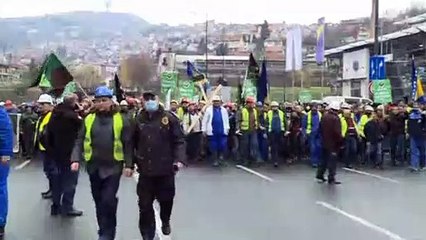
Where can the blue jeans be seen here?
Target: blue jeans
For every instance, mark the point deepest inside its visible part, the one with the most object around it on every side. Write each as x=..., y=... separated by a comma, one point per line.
x=4, y=173
x=374, y=153
x=417, y=153
x=397, y=148
x=218, y=143
x=350, y=149
x=315, y=149
x=249, y=146
x=263, y=146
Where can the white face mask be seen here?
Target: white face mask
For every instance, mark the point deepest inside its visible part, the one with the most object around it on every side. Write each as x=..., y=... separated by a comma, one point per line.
x=151, y=105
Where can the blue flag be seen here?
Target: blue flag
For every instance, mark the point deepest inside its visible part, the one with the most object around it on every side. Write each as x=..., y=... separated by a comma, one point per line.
x=417, y=93
x=262, y=84
x=320, y=41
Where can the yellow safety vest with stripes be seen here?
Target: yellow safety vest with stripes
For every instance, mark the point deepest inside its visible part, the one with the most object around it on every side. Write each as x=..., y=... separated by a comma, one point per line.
x=309, y=122
x=40, y=129
x=117, y=120
x=345, y=126
x=282, y=119
x=245, y=121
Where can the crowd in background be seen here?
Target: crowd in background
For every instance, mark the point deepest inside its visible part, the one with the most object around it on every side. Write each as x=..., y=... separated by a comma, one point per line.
x=255, y=133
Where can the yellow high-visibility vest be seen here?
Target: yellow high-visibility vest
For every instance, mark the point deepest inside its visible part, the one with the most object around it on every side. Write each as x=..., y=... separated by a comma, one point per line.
x=40, y=129
x=309, y=122
x=180, y=113
x=345, y=126
x=282, y=119
x=245, y=121
x=117, y=120
x=364, y=120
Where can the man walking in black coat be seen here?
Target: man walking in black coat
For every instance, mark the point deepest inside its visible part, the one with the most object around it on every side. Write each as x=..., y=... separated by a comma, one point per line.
x=61, y=134
x=159, y=152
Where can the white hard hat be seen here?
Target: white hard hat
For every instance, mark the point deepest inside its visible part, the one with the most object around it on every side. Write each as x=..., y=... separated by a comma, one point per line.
x=369, y=108
x=274, y=104
x=45, y=98
x=335, y=106
x=345, y=106
x=124, y=103
x=381, y=107
x=1, y=104
x=216, y=98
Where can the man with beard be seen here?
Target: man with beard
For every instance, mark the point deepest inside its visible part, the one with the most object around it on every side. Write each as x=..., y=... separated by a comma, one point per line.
x=61, y=133
x=105, y=141
x=158, y=142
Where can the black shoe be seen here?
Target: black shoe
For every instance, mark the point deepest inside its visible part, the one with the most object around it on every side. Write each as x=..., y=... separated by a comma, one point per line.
x=349, y=166
x=1, y=233
x=73, y=213
x=276, y=164
x=54, y=210
x=46, y=195
x=334, y=182
x=166, y=229
x=321, y=179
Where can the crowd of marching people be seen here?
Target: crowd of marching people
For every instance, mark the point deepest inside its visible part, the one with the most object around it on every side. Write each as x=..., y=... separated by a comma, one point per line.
x=115, y=138
x=256, y=133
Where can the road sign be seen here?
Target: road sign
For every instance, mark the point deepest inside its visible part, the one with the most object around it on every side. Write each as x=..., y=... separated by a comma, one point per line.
x=377, y=67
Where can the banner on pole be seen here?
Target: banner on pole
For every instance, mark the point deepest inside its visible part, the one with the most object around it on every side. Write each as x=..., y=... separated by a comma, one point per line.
x=382, y=91
x=168, y=80
x=186, y=89
x=305, y=96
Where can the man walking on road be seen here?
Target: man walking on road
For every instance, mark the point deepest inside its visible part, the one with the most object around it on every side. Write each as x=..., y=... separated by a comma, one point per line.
x=159, y=153
x=45, y=102
x=331, y=133
x=6, y=152
x=61, y=135
x=105, y=141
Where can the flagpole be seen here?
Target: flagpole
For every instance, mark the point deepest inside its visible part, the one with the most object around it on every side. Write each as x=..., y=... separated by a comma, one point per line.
x=84, y=92
x=293, y=80
x=322, y=80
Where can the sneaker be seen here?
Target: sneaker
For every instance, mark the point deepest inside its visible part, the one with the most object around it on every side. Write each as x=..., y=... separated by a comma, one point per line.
x=321, y=179
x=73, y=213
x=47, y=194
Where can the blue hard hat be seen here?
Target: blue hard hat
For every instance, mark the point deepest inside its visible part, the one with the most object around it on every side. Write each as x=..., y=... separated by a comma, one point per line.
x=103, y=91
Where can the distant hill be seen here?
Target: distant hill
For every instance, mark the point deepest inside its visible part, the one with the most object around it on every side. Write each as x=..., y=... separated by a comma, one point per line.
x=82, y=25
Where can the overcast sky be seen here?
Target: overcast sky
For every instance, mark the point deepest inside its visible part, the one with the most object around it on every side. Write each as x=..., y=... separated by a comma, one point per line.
x=228, y=11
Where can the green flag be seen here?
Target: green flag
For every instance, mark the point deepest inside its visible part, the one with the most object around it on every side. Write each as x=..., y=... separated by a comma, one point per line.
x=53, y=75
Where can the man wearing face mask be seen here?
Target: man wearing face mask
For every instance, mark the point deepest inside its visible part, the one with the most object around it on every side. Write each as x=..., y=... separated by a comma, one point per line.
x=105, y=144
x=61, y=134
x=159, y=152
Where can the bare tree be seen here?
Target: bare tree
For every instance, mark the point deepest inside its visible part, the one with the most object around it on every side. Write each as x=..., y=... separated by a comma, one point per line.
x=136, y=71
x=87, y=75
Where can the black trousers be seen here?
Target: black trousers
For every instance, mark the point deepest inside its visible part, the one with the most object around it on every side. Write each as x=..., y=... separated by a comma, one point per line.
x=64, y=183
x=328, y=162
x=150, y=188
x=104, y=192
x=193, y=146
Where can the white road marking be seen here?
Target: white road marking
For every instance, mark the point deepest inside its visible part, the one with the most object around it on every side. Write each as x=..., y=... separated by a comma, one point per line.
x=255, y=173
x=158, y=231
x=22, y=165
x=372, y=175
x=361, y=221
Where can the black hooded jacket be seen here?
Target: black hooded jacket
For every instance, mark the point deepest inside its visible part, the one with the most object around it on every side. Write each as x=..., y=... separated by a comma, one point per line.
x=61, y=134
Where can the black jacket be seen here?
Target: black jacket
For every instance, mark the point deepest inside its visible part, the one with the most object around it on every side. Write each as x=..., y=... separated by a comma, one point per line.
x=372, y=131
x=61, y=133
x=159, y=143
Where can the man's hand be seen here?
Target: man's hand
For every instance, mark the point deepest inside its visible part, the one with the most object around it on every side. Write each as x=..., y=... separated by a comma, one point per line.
x=128, y=172
x=75, y=166
x=5, y=159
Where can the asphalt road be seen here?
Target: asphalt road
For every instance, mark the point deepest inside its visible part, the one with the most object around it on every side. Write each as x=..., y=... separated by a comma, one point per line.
x=237, y=204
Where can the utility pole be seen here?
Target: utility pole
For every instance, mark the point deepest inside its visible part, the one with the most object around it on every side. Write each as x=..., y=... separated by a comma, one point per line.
x=375, y=19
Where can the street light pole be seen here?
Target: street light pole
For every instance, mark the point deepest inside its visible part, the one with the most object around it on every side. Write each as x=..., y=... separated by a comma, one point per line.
x=376, y=27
